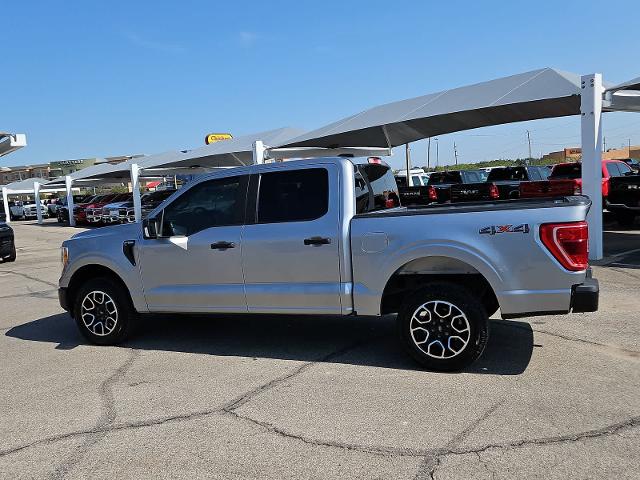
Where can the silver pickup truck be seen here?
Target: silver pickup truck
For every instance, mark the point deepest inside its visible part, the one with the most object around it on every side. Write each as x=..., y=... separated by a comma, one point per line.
x=328, y=237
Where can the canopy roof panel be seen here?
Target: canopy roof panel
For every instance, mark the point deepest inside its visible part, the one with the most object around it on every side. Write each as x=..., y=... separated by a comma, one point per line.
x=26, y=186
x=532, y=95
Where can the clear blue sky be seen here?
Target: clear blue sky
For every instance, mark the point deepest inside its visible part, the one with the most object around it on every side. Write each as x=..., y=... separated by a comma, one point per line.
x=95, y=79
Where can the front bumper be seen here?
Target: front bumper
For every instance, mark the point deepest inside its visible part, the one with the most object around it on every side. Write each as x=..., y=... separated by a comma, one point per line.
x=62, y=298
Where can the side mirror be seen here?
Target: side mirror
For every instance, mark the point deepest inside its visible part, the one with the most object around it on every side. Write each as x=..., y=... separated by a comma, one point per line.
x=152, y=227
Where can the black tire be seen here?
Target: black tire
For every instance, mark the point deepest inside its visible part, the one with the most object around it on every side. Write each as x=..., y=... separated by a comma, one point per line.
x=11, y=257
x=111, y=332
x=439, y=297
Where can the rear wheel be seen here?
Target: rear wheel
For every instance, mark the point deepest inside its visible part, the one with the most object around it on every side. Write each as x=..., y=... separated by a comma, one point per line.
x=11, y=257
x=443, y=326
x=103, y=312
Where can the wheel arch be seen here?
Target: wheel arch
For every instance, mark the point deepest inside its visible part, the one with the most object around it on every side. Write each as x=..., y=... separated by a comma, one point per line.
x=86, y=273
x=417, y=272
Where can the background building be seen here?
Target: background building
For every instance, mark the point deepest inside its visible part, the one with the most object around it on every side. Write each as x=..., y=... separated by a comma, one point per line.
x=575, y=154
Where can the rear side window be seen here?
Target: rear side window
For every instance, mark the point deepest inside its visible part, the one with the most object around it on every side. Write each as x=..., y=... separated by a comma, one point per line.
x=612, y=169
x=381, y=188
x=415, y=181
x=293, y=196
x=624, y=168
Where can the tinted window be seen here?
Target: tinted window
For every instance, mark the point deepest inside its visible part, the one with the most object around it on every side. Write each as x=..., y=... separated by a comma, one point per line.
x=612, y=169
x=401, y=181
x=567, y=170
x=293, y=196
x=213, y=203
x=506, y=174
x=440, y=178
x=624, y=168
x=471, y=177
x=384, y=191
x=534, y=174
x=415, y=181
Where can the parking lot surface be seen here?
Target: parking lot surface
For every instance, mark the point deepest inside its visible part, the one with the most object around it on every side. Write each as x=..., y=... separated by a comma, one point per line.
x=291, y=397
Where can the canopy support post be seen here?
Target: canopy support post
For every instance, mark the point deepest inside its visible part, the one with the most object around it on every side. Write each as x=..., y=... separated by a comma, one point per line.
x=591, y=131
x=5, y=201
x=68, y=181
x=36, y=194
x=135, y=190
x=258, y=152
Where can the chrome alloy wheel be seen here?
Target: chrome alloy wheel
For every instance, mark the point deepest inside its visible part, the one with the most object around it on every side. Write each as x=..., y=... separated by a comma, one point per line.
x=99, y=313
x=440, y=329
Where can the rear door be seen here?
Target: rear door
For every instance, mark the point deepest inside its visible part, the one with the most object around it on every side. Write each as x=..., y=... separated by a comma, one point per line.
x=291, y=250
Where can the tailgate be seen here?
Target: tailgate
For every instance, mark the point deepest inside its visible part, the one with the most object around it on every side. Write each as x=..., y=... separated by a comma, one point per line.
x=548, y=188
x=471, y=192
x=625, y=191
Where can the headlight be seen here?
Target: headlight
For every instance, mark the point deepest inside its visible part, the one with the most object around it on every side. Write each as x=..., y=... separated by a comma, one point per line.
x=64, y=256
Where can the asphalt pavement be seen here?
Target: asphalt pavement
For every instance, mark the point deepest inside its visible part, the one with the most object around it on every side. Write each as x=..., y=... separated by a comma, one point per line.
x=291, y=397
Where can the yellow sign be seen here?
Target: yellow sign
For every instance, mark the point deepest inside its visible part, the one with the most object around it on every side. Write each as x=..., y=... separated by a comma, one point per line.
x=216, y=137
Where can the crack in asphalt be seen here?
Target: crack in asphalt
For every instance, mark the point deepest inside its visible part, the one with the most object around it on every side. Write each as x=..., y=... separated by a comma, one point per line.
x=30, y=277
x=431, y=463
x=108, y=416
x=431, y=457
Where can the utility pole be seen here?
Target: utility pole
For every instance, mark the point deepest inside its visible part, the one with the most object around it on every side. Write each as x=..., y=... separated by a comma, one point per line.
x=604, y=144
x=437, y=153
x=429, y=154
x=455, y=152
x=629, y=148
x=529, y=140
x=408, y=155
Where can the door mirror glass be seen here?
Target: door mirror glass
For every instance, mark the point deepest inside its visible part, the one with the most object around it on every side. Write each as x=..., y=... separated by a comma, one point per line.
x=151, y=227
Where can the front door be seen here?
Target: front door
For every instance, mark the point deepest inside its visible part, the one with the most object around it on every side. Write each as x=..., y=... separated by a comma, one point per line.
x=291, y=251
x=196, y=264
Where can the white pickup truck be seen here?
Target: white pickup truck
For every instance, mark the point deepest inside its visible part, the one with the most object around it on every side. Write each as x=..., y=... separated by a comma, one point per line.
x=328, y=236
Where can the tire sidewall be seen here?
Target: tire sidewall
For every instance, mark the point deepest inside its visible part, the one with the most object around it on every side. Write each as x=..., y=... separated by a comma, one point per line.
x=468, y=303
x=123, y=305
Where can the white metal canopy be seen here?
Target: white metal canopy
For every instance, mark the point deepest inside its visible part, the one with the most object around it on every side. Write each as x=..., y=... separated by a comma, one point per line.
x=532, y=95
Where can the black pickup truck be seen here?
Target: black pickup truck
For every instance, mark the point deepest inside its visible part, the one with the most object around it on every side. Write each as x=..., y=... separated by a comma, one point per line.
x=623, y=199
x=508, y=179
x=453, y=186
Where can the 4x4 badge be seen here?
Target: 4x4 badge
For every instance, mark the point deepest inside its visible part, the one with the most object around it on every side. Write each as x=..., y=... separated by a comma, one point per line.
x=495, y=229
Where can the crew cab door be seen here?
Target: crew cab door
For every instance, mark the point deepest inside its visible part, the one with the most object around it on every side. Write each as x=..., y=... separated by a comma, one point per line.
x=195, y=264
x=291, y=249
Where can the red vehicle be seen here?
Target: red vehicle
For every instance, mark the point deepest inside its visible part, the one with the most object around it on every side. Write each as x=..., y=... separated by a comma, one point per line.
x=566, y=179
x=83, y=212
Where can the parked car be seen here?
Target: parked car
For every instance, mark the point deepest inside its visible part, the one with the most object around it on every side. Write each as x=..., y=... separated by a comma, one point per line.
x=31, y=210
x=466, y=185
x=149, y=201
x=298, y=238
x=7, y=243
x=508, y=179
x=62, y=210
x=417, y=178
x=92, y=212
x=16, y=211
x=111, y=211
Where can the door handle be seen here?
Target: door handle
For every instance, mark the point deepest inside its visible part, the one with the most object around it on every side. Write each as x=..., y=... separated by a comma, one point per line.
x=222, y=245
x=317, y=241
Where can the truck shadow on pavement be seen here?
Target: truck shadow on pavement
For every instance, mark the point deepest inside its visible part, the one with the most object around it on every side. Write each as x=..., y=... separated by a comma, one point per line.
x=365, y=341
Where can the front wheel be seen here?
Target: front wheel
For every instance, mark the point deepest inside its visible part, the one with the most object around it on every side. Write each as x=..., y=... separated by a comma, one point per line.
x=443, y=326
x=103, y=312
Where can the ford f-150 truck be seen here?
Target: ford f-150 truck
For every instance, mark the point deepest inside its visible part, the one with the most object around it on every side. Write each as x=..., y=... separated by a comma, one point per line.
x=320, y=236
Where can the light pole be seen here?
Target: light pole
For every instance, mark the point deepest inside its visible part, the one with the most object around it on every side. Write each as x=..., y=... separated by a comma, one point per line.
x=437, y=152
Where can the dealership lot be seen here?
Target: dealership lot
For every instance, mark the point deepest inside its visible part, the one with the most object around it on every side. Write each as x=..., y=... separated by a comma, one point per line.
x=290, y=397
